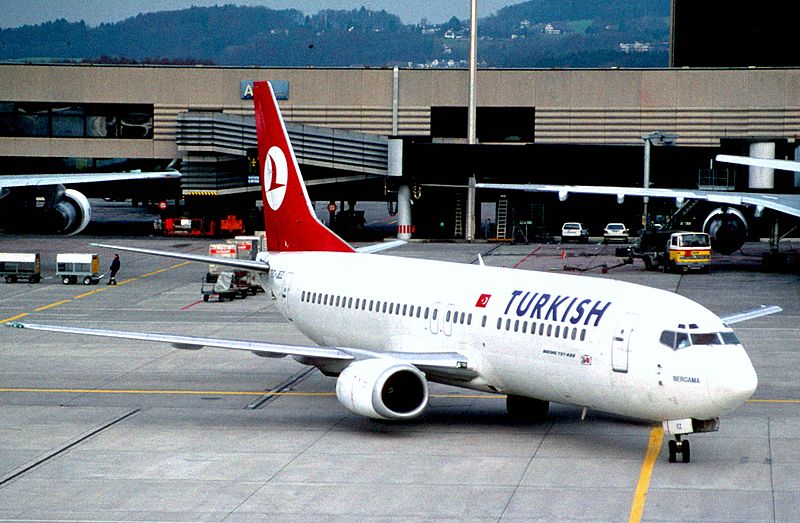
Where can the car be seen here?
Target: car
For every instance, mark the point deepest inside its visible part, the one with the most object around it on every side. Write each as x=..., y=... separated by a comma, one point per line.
x=615, y=232
x=574, y=231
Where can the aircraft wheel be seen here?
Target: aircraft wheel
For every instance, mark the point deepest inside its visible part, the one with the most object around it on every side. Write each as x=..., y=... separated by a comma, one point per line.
x=673, y=450
x=685, y=453
x=526, y=410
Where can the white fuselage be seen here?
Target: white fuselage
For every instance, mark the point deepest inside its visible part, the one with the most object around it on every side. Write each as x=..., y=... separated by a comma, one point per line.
x=570, y=339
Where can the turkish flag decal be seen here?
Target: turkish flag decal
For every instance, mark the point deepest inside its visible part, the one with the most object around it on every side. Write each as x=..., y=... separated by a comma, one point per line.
x=483, y=301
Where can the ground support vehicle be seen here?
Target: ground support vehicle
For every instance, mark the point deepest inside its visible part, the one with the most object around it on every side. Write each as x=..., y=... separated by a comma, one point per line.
x=228, y=285
x=20, y=266
x=201, y=227
x=78, y=267
x=671, y=250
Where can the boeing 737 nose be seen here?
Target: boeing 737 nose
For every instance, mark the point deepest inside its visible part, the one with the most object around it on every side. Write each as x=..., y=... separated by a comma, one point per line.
x=733, y=382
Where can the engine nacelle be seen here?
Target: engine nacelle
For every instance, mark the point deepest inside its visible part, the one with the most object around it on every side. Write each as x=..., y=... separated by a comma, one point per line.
x=728, y=229
x=71, y=214
x=383, y=389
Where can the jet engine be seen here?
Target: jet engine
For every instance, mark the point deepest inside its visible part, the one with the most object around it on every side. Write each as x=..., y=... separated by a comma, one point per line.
x=383, y=389
x=69, y=214
x=728, y=229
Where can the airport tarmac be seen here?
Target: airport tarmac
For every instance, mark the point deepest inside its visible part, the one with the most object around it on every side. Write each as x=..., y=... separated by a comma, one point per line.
x=115, y=430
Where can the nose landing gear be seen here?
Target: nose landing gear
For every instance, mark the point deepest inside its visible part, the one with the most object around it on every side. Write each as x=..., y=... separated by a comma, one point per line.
x=681, y=427
x=677, y=446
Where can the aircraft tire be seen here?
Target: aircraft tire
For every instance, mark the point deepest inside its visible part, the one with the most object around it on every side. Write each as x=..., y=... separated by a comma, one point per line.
x=685, y=452
x=526, y=410
x=672, y=445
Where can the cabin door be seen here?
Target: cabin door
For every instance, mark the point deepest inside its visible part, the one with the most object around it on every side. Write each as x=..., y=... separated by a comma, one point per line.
x=621, y=342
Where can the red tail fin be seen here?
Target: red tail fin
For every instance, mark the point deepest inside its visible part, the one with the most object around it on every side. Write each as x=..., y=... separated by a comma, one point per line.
x=288, y=216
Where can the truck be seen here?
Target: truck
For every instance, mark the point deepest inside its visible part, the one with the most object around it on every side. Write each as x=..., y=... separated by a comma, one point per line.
x=206, y=227
x=75, y=267
x=20, y=266
x=671, y=250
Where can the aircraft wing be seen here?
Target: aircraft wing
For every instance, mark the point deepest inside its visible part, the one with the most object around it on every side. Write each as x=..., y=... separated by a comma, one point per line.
x=250, y=265
x=449, y=365
x=785, y=203
x=30, y=180
x=762, y=310
x=772, y=163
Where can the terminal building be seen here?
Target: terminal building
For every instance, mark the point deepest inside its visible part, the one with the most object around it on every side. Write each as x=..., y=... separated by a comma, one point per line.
x=371, y=134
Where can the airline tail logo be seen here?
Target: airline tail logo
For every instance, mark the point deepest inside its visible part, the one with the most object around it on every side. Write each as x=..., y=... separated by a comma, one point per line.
x=276, y=173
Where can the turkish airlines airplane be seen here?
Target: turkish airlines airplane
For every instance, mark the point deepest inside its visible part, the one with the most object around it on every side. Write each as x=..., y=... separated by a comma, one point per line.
x=387, y=326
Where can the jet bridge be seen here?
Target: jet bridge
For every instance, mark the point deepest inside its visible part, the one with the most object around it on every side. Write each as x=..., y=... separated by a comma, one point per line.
x=216, y=148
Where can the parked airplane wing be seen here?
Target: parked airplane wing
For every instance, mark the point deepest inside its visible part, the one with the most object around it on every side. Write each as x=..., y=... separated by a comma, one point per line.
x=450, y=365
x=196, y=342
x=785, y=203
x=784, y=165
x=30, y=180
x=251, y=265
x=762, y=310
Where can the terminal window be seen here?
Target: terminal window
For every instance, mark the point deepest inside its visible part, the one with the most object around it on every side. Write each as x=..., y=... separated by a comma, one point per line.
x=73, y=120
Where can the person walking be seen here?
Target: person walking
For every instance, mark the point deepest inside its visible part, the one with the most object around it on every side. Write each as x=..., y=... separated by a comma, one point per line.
x=115, y=264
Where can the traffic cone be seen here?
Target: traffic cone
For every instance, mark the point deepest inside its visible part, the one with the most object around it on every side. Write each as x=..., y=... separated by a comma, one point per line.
x=563, y=254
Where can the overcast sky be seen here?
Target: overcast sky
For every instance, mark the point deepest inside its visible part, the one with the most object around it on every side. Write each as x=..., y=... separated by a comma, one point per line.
x=14, y=13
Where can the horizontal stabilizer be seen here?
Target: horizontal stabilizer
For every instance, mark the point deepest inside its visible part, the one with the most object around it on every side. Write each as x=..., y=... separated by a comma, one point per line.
x=250, y=265
x=763, y=310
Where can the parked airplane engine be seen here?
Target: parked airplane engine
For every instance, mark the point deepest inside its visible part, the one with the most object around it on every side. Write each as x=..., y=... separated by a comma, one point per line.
x=728, y=229
x=383, y=389
x=70, y=214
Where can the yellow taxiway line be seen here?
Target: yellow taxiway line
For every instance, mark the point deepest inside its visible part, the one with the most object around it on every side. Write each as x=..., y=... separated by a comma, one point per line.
x=93, y=292
x=643, y=485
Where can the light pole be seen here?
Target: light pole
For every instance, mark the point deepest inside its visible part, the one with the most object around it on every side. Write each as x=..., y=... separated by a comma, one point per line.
x=471, y=120
x=653, y=138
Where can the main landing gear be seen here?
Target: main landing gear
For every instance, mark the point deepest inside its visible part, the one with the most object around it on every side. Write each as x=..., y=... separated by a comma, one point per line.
x=678, y=446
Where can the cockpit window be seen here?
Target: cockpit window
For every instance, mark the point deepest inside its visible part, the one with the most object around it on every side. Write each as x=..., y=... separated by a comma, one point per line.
x=681, y=340
x=710, y=338
x=729, y=338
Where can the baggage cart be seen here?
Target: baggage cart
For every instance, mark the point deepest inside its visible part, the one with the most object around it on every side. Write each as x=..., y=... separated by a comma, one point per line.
x=20, y=266
x=227, y=286
x=78, y=267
